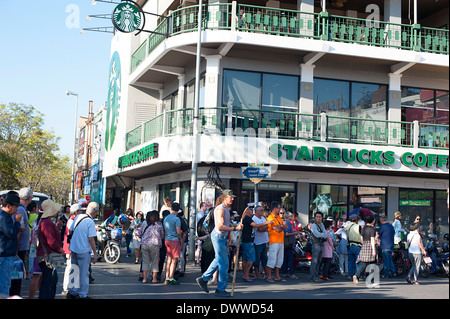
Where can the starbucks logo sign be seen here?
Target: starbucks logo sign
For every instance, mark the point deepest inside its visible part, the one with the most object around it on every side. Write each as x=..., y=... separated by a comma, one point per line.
x=113, y=101
x=127, y=17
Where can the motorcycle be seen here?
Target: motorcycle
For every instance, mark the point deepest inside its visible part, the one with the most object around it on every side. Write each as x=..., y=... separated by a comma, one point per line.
x=437, y=259
x=109, y=244
x=302, y=253
x=402, y=263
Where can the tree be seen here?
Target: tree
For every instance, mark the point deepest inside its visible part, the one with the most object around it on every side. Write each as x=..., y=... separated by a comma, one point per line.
x=29, y=154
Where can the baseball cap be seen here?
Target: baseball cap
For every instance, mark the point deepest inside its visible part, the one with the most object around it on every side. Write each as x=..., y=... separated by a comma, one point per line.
x=228, y=192
x=74, y=208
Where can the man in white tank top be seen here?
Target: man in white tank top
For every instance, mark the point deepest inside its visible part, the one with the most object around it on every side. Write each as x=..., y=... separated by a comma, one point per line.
x=219, y=238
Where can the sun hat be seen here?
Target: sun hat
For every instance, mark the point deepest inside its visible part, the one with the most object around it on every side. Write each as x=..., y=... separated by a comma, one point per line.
x=397, y=213
x=50, y=208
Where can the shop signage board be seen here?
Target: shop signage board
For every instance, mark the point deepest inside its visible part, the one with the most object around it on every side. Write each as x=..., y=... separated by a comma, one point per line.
x=363, y=156
x=415, y=203
x=127, y=17
x=145, y=153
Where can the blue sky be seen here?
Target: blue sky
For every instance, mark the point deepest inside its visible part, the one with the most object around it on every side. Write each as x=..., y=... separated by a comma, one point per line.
x=43, y=54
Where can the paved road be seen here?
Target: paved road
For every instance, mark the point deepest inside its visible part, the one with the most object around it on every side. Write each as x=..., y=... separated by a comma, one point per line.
x=120, y=281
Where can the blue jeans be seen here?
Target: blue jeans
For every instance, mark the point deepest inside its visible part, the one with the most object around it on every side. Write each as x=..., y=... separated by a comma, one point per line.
x=80, y=286
x=288, y=262
x=387, y=262
x=353, y=253
x=220, y=244
x=260, y=255
x=5, y=275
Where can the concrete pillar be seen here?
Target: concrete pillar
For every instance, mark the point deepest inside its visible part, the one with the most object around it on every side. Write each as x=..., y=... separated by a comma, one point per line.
x=395, y=107
x=392, y=201
x=393, y=14
x=303, y=202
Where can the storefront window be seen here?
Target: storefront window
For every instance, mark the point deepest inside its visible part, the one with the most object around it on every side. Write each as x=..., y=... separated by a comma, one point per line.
x=331, y=200
x=190, y=93
x=282, y=192
x=368, y=198
x=442, y=108
x=414, y=202
x=340, y=201
x=280, y=93
x=167, y=190
x=441, y=214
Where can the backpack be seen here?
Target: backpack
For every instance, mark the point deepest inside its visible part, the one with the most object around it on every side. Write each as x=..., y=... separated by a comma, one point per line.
x=208, y=223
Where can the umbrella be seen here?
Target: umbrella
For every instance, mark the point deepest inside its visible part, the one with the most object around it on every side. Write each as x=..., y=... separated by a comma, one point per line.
x=362, y=211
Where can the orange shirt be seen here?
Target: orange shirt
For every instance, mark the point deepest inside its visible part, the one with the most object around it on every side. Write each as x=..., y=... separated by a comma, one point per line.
x=274, y=236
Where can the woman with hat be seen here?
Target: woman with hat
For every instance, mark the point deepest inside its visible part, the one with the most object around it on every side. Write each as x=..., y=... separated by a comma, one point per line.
x=397, y=223
x=49, y=241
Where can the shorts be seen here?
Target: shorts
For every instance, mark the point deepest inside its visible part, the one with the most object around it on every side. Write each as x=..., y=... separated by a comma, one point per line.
x=276, y=255
x=248, y=251
x=173, y=248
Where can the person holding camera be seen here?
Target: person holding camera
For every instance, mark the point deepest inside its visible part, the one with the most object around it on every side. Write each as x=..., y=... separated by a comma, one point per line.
x=318, y=237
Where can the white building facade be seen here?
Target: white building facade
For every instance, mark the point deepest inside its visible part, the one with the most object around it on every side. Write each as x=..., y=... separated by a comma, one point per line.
x=347, y=102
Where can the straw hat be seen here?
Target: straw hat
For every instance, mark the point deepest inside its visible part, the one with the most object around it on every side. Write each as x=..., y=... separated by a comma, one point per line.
x=50, y=208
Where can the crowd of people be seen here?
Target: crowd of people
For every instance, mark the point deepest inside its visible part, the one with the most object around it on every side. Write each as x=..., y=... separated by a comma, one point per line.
x=266, y=238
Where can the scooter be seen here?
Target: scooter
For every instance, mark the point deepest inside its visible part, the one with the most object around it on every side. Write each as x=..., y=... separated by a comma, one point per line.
x=109, y=244
x=302, y=254
x=437, y=259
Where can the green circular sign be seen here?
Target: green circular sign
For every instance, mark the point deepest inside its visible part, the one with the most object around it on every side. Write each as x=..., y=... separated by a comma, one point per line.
x=126, y=17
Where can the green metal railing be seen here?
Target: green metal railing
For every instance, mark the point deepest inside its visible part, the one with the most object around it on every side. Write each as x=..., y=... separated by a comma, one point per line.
x=367, y=131
x=290, y=125
x=291, y=23
x=433, y=136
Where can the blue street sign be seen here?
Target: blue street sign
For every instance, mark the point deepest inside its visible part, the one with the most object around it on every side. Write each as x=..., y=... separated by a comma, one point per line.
x=248, y=172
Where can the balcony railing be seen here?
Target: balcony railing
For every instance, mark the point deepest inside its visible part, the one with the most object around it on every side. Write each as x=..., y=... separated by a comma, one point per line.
x=290, y=125
x=290, y=23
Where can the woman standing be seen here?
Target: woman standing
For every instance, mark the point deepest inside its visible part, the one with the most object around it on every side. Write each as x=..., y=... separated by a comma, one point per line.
x=49, y=241
x=151, y=233
x=368, y=251
x=416, y=250
x=398, y=227
x=134, y=229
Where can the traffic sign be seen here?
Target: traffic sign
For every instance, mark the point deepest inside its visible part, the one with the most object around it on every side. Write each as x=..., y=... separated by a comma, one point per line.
x=249, y=172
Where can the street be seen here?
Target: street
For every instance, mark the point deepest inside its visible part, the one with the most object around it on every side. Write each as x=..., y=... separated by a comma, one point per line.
x=120, y=281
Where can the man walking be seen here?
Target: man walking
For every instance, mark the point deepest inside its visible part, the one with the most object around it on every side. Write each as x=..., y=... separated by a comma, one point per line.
x=82, y=244
x=386, y=234
x=173, y=238
x=219, y=238
x=318, y=237
x=9, y=229
x=354, y=239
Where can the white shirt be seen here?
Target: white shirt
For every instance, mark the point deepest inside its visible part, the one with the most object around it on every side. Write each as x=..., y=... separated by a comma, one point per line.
x=413, y=240
x=260, y=237
x=84, y=230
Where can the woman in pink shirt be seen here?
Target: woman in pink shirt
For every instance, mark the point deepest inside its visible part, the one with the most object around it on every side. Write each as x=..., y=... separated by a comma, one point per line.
x=327, y=255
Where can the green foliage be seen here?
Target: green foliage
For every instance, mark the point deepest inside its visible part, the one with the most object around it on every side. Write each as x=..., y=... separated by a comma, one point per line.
x=29, y=154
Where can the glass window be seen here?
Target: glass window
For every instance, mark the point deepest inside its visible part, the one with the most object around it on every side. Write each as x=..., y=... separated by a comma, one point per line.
x=418, y=105
x=242, y=89
x=329, y=199
x=371, y=198
x=280, y=93
x=190, y=93
x=368, y=101
x=442, y=107
x=331, y=97
x=414, y=202
x=441, y=214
